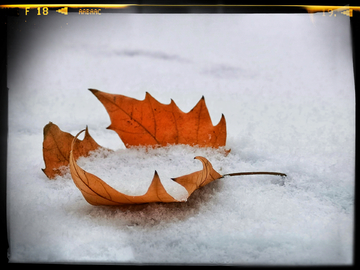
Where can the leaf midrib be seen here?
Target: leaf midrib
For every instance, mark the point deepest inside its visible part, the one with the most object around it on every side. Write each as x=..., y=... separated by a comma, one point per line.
x=132, y=118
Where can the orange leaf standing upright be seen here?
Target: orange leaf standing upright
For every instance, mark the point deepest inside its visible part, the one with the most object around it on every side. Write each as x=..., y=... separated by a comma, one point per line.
x=150, y=123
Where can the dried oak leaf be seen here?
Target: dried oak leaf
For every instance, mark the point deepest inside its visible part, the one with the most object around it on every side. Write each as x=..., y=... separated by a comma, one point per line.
x=97, y=192
x=57, y=145
x=150, y=123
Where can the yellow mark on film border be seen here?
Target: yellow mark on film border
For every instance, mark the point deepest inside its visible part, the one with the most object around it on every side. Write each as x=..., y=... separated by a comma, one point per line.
x=308, y=8
x=313, y=9
x=114, y=6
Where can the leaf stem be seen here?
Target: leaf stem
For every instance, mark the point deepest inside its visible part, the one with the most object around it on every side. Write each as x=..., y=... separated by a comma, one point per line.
x=251, y=173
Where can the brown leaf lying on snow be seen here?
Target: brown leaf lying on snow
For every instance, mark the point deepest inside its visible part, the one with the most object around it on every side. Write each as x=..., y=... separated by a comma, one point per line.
x=57, y=145
x=150, y=123
x=97, y=192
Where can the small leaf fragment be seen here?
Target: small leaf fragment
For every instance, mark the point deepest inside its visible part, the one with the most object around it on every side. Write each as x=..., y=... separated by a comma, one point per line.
x=57, y=145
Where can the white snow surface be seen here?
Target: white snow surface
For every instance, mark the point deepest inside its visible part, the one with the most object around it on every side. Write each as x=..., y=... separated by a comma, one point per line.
x=286, y=87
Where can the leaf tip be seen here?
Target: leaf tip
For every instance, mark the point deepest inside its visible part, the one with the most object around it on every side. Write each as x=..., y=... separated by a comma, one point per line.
x=48, y=173
x=148, y=95
x=94, y=91
x=75, y=138
x=227, y=152
x=87, y=134
x=48, y=127
x=222, y=120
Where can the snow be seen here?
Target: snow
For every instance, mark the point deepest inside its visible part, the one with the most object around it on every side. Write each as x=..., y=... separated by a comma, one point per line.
x=285, y=85
x=130, y=171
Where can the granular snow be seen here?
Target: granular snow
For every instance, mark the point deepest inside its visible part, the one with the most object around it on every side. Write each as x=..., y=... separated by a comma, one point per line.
x=130, y=171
